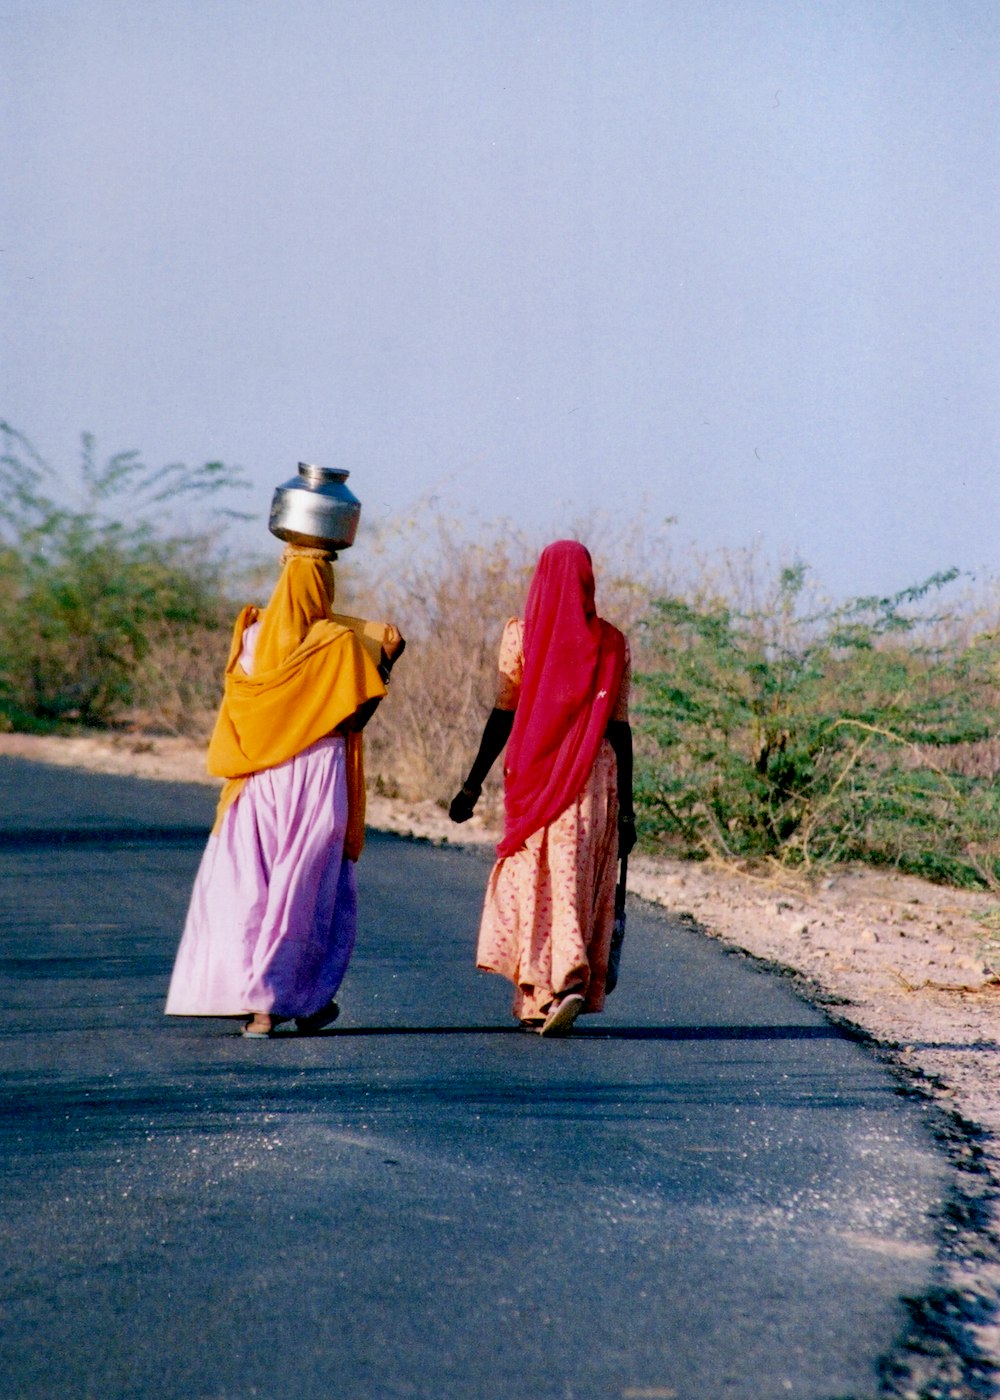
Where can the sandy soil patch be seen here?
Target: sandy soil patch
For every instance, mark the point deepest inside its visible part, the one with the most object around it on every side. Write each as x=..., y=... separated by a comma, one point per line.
x=913, y=965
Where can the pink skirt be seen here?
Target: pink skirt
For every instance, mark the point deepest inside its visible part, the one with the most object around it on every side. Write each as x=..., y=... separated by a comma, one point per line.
x=273, y=913
x=549, y=910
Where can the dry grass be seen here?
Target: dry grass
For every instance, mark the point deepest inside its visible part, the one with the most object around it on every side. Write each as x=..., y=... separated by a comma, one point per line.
x=451, y=587
x=450, y=590
x=178, y=683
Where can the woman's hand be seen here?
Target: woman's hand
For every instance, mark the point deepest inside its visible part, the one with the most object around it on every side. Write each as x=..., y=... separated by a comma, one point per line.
x=463, y=804
x=393, y=646
x=392, y=649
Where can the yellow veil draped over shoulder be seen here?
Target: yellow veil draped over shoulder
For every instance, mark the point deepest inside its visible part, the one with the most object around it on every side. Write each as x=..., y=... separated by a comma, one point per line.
x=310, y=674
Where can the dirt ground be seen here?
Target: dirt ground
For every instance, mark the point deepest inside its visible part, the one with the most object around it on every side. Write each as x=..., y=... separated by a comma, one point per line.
x=913, y=965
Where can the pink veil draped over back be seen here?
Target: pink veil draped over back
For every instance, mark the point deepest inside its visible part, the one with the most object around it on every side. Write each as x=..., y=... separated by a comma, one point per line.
x=573, y=665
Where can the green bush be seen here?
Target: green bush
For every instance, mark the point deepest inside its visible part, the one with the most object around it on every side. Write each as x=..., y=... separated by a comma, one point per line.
x=91, y=579
x=818, y=737
x=766, y=729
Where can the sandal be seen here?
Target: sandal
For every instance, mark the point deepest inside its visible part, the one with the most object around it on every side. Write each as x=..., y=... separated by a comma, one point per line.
x=260, y=1026
x=562, y=1014
x=325, y=1016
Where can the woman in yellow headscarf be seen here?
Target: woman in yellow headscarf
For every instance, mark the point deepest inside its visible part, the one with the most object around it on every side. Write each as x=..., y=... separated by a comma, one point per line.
x=272, y=919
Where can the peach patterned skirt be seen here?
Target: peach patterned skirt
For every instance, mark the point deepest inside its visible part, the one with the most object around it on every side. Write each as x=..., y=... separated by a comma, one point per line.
x=550, y=907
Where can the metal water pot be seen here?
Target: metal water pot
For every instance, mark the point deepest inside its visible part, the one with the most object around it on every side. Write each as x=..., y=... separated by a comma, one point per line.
x=315, y=508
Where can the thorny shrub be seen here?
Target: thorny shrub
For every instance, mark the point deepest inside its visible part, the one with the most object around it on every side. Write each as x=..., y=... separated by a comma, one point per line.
x=769, y=724
x=814, y=736
x=93, y=583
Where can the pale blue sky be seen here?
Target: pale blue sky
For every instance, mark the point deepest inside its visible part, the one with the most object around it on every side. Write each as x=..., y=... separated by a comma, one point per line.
x=736, y=259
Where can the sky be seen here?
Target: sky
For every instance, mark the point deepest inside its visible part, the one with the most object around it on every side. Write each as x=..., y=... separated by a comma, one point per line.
x=733, y=262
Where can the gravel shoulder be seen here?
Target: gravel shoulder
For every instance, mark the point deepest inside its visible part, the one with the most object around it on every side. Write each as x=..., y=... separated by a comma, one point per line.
x=913, y=966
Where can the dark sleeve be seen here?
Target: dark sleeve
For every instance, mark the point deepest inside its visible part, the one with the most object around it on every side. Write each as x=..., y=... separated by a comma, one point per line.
x=619, y=734
x=496, y=732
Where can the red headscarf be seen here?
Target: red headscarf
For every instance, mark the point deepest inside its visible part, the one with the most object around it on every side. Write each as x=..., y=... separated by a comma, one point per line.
x=573, y=664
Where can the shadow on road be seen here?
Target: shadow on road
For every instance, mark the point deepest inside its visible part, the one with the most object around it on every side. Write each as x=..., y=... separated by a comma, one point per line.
x=601, y=1033
x=104, y=837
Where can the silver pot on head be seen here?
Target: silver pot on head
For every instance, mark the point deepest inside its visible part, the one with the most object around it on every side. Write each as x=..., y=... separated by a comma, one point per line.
x=315, y=509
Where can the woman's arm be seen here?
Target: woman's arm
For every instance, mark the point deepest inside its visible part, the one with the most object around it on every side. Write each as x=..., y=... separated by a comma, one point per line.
x=496, y=732
x=619, y=735
x=353, y=724
x=395, y=645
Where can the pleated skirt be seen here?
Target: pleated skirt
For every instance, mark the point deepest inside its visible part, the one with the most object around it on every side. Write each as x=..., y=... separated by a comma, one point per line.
x=273, y=914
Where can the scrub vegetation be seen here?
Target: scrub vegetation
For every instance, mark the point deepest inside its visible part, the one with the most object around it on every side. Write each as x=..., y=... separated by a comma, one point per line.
x=772, y=725
x=858, y=731
x=108, y=604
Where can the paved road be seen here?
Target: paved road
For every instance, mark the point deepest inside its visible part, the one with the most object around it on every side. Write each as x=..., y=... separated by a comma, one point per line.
x=707, y=1193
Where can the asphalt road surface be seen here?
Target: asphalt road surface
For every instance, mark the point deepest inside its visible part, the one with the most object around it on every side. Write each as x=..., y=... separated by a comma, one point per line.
x=708, y=1192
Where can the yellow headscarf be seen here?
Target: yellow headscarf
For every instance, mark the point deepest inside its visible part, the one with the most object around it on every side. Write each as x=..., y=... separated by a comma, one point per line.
x=310, y=675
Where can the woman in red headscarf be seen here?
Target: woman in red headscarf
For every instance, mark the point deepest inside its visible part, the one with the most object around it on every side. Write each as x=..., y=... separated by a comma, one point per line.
x=562, y=703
